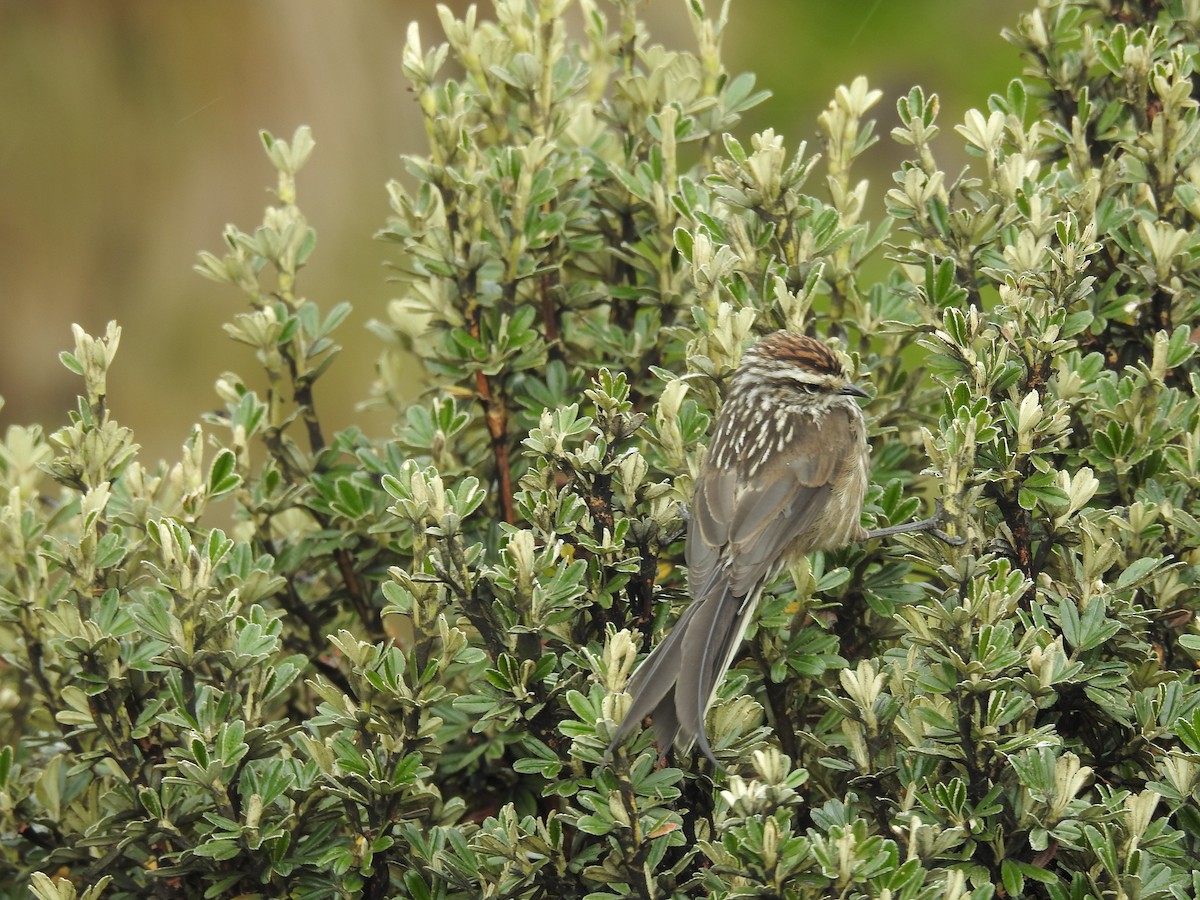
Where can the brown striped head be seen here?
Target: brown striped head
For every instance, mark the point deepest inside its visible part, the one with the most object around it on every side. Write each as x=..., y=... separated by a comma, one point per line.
x=784, y=361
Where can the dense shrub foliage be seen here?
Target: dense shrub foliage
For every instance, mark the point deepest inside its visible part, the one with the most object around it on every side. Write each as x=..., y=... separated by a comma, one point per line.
x=394, y=670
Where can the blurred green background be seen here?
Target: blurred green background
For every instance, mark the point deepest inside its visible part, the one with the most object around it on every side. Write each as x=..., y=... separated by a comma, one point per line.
x=128, y=138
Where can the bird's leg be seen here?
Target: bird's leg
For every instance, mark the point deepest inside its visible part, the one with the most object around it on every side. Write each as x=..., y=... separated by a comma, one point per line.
x=931, y=525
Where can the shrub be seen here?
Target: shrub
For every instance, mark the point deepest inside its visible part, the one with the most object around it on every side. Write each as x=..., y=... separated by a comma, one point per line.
x=394, y=673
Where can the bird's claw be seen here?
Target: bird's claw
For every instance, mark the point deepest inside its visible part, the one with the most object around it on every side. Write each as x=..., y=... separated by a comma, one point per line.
x=939, y=514
x=951, y=539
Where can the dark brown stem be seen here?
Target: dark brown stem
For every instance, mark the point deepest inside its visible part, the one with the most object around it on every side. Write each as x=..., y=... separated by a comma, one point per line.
x=477, y=607
x=378, y=885
x=1160, y=309
x=641, y=590
x=1042, y=558
x=34, y=652
x=635, y=856
x=108, y=724
x=496, y=416
x=1039, y=374
x=623, y=312
x=302, y=395
x=1018, y=524
x=273, y=438
x=777, y=700
x=274, y=441
x=599, y=504
x=354, y=589
x=295, y=605
x=304, y=399
x=975, y=775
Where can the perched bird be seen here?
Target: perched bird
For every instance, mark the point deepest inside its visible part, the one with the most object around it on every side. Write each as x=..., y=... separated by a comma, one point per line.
x=786, y=474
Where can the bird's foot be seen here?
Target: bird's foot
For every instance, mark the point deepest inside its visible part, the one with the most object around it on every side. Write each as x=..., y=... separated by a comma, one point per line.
x=930, y=525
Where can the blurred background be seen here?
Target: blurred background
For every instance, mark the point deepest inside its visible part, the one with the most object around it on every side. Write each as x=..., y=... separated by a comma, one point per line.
x=129, y=138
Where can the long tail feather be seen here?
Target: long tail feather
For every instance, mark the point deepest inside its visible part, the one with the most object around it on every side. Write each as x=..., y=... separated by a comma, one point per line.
x=711, y=652
x=677, y=682
x=703, y=650
x=653, y=688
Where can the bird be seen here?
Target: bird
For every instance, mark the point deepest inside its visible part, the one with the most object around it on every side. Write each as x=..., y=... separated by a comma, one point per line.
x=786, y=473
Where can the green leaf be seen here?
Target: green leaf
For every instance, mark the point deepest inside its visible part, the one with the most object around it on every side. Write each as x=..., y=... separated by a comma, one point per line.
x=222, y=475
x=1138, y=572
x=71, y=362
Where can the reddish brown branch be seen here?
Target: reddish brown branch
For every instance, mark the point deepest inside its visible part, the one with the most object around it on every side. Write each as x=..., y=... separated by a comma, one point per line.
x=345, y=564
x=497, y=425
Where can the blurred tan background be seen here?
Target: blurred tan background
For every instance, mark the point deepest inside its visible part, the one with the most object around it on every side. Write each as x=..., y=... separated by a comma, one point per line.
x=128, y=139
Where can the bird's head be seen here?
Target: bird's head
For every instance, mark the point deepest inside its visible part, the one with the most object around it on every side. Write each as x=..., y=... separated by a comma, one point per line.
x=795, y=363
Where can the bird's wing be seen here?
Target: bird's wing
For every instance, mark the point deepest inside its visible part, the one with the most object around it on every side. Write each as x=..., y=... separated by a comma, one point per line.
x=742, y=524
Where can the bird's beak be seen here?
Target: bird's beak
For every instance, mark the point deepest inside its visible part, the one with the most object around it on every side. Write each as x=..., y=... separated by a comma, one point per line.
x=853, y=390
